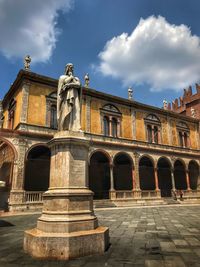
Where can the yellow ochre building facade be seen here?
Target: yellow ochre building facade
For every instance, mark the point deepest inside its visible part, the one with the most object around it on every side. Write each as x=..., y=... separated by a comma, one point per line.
x=139, y=154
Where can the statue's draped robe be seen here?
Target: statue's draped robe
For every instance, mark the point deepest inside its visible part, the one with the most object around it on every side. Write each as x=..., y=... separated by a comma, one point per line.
x=68, y=104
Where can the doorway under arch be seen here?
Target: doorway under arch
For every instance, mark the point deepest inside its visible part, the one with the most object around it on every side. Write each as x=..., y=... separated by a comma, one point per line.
x=146, y=174
x=99, y=175
x=37, y=169
x=193, y=174
x=164, y=177
x=7, y=157
x=180, y=175
x=122, y=172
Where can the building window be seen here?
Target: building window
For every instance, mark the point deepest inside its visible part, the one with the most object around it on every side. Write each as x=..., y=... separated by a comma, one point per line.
x=106, y=126
x=114, y=127
x=111, y=120
x=51, y=110
x=153, y=128
x=53, y=121
x=183, y=134
x=11, y=113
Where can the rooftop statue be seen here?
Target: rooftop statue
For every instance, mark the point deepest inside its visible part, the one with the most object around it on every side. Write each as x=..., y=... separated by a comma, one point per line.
x=69, y=101
x=27, y=62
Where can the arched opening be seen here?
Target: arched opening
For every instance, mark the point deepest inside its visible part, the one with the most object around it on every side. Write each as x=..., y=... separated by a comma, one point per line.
x=193, y=174
x=180, y=175
x=37, y=169
x=146, y=174
x=122, y=172
x=164, y=177
x=6, y=173
x=99, y=175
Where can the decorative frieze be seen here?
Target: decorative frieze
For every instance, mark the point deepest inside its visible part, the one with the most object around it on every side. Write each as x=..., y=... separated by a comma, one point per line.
x=25, y=96
x=88, y=113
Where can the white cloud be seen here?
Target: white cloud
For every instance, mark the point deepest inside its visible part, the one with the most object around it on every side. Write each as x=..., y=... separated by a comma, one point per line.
x=156, y=52
x=29, y=27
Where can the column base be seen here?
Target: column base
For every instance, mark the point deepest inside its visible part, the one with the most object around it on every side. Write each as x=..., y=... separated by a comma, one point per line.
x=65, y=246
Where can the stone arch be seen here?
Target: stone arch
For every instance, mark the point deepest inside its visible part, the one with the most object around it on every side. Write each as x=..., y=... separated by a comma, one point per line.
x=102, y=151
x=122, y=171
x=8, y=156
x=37, y=168
x=146, y=173
x=180, y=174
x=99, y=174
x=9, y=143
x=193, y=169
x=34, y=146
x=153, y=160
x=164, y=176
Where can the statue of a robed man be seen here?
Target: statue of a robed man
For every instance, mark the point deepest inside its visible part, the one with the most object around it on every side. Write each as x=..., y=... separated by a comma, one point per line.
x=69, y=101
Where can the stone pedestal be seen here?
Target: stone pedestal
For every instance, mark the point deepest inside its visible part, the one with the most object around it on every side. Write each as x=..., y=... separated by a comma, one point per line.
x=68, y=227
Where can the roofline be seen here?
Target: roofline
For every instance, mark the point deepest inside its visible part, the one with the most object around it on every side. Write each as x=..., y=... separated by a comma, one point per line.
x=31, y=76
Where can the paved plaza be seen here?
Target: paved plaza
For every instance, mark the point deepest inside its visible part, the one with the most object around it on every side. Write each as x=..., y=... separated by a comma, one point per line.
x=142, y=236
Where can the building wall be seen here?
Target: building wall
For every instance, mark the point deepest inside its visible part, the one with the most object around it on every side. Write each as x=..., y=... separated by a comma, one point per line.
x=37, y=104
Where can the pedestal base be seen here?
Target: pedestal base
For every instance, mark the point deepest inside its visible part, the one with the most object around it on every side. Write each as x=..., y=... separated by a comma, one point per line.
x=65, y=246
x=68, y=227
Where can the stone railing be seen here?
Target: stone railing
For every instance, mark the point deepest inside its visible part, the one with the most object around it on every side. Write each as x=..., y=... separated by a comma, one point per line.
x=33, y=196
x=190, y=193
x=133, y=194
x=150, y=194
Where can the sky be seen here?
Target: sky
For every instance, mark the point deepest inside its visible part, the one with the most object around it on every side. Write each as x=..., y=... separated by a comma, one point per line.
x=152, y=46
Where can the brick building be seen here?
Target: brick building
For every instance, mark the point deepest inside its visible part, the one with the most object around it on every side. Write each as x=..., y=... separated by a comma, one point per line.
x=188, y=104
x=138, y=153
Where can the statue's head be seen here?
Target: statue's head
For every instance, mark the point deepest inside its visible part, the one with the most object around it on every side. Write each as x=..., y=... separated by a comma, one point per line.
x=69, y=68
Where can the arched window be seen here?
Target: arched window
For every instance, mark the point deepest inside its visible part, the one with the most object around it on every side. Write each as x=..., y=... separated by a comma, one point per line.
x=51, y=110
x=183, y=134
x=111, y=120
x=53, y=121
x=114, y=127
x=105, y=126
x=153, y=126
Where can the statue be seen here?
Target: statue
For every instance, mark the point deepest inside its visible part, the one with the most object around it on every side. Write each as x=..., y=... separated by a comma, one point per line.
x=165, y=103
x=87, y=80
x=193, y=112
x=1, y=115
x=27, y=62
x=130, y=93
x=69, y=101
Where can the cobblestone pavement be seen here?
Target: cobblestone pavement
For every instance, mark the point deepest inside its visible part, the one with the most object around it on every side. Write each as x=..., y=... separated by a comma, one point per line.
x=153, y=237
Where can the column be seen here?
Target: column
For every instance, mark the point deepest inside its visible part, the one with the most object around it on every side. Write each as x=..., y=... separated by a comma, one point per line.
x=152, y=133
x=112, y=192
x=188, y=180
x=173, y=181
x=111, y=178
x=133, y=179
x=137, y=190
x=16, y=199
x=183, y=140
x=156, y=179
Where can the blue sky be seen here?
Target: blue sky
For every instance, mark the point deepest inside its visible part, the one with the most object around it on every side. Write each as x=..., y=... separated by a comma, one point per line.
x=107, y=39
